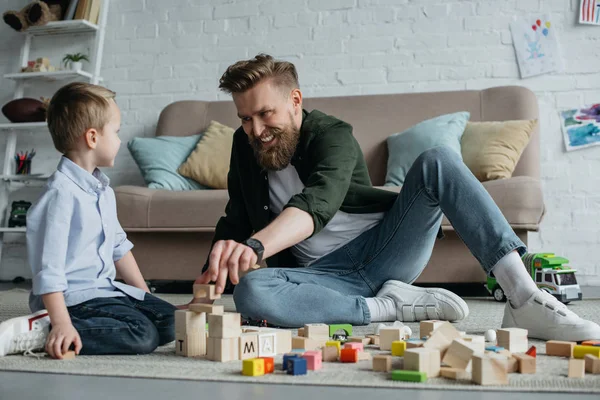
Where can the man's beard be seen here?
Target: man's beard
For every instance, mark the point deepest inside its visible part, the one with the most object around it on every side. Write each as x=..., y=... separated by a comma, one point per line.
x=279, y=156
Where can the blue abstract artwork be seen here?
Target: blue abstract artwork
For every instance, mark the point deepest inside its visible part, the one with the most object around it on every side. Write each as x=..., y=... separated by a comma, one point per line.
x=581, y=127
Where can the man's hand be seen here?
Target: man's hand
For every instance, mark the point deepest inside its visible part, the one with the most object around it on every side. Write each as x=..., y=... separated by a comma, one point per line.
x=60, y=339
x=227, y=258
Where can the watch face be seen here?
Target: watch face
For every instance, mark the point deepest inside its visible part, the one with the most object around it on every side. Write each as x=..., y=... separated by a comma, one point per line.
x=254, y=244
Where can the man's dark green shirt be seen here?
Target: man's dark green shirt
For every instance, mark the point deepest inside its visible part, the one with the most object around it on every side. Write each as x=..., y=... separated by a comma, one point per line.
x=332, y=168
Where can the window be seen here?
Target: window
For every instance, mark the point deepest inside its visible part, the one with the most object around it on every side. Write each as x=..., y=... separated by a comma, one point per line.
x=538, y=277
x=548, y=277
x=566, y=279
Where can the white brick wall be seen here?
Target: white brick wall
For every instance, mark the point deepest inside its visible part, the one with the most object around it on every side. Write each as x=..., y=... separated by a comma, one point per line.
x=161, y=51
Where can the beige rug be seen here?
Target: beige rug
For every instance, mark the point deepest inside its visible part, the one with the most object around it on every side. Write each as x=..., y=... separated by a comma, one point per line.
x=163, y=364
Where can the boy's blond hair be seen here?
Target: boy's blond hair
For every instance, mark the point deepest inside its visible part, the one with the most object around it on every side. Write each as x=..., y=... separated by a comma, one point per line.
x=243, y=75
x=75, y=108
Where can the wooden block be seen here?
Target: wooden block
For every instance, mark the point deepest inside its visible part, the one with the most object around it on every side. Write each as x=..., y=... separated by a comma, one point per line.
x=576, y=368
x=398, y=348
x=590, y=343
x=388, y=335
x=559, y=348
x=296, y=366
x=513, y=339
x=455, y=373
x=532, y=351
x=336, y=327
x=414, y=343
x=269, y=364
x=427, y=327
x=283, y=341
x=354, y=345
x=304, y=343
x=191, y=344
x=223, y=349
x=314, y=360
x=206, y=308
x=319, y=332
x=225, y=325
x=286, y=357
x=442, y=337
x=358, y=339
x=349, y=355
x=581, y=351
x=205, y=292
x=526, y=363
x=512, y=365
x=592, y=364
x=301, y=332
x=423, y=360
x=69, y=355
x=253, y=367
x=374, y=339
x=364, y=356
x=409, y=376
x=458, y=354
x=476, y=342
x=488, y=371
x=330, y=353
x=382, y=363
x=248, y=346
x=189, y=321
x=267, y=343
x=334, y=343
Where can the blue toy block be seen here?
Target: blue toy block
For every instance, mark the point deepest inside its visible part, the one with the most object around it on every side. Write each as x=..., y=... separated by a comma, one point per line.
x=296, y=366
x=286, y=357
x=495, y=349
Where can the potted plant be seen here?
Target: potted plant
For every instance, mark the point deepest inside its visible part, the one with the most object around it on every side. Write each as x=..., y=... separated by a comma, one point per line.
x=75, y=61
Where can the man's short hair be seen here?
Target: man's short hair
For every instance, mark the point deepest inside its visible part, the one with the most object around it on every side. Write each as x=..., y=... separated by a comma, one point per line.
x=75, y=108
x=243, y=75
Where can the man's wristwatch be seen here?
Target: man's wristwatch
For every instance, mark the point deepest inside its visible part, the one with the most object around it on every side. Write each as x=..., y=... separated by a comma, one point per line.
x=257, y=246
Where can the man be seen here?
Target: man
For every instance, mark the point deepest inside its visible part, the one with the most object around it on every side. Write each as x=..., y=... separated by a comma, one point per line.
x=300, y=195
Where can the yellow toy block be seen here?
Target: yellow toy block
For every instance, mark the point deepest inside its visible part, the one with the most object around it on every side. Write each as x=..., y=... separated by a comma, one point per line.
x=398, y=348
x=581, y=351
x=253, y=367
x=334, y=343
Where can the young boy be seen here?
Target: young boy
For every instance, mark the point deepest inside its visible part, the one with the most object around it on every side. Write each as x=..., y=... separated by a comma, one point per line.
x=75, y=246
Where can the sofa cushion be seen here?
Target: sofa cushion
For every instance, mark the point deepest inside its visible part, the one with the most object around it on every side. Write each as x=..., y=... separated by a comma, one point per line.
x=144, y=209
x=406, y=146
x=209, y=162
x=491, y=150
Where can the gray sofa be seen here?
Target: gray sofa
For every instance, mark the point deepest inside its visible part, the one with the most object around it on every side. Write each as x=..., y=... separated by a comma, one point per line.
x=172, y=231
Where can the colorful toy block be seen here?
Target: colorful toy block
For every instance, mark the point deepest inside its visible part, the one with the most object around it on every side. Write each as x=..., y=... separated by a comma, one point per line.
x=286, y=358
x=253, y=367
x=398, y=348
x=314, y=360
x=349, y=355
x=532, y=351
x=382, y=363
x=495, y=349
x=269, y=364
x=408, y=376
x=334, y=343
x=296, y=366
x=336, y=327
x=354, y=345
x=591, y=343
x=581, y=351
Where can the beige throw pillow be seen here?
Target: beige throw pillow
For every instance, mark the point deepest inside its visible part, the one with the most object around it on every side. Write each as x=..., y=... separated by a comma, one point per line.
x=491, y=150
x=208, y=164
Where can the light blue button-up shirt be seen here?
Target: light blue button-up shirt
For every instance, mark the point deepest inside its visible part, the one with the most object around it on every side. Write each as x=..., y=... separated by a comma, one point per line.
x=74, y=238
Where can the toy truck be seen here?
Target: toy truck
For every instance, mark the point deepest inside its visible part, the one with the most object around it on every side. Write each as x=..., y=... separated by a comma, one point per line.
x=550, y=273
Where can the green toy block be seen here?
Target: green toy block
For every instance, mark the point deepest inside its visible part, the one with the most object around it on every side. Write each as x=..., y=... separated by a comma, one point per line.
x=346, y=327
x=408, y=376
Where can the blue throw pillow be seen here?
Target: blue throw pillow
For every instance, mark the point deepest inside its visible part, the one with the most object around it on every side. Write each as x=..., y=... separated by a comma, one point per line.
x=405, y=147
x=159, y=157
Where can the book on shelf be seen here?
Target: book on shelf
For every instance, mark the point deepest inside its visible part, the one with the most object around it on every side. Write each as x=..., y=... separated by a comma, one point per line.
x=88, y=10
x=70, y=14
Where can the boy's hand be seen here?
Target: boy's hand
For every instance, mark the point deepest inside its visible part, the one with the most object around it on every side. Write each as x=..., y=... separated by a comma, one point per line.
x=227, y=258
x=60, y=339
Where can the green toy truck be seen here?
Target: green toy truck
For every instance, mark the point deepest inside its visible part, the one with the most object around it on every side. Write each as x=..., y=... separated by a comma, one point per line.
x=550, y=273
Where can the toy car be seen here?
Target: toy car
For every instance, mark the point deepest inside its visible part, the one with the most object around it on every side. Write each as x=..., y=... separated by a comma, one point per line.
x=18, y=213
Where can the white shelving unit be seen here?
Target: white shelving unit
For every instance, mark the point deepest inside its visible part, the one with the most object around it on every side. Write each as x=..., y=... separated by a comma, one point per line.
x=9, y=181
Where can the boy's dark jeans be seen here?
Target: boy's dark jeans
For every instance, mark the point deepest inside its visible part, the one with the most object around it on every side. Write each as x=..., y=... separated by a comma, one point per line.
x=123, y=325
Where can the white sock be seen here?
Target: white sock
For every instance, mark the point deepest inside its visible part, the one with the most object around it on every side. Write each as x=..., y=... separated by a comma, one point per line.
x=382, y=309
x=515, y=280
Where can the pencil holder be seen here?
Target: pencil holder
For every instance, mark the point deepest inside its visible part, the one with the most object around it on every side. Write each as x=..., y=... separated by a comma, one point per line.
x=23, y=167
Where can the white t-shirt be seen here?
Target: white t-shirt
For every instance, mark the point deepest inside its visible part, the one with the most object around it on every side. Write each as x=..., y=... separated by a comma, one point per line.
x=341, y=229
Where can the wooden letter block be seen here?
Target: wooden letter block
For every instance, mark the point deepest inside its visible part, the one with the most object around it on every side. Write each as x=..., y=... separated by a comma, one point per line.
x=426, y=327
x=527, y=363
x=318, y=332
x=581, y=351
x=559, y=348
x=283, y=341
x=455, y=373
x=206, y=308
x=349, y=355
x=192, y=344
x=223, y=350
x=592, y=364
x=314, y=360
x=304, y=343
x=189, y=321
x=423, y=360
x=513, y=339
x=253, y=367
x=224, y=325
x=205, y=292
x=576, y=368
x=248, y=346
x=267, y=344
x=398, y=348
x=382, y=363
x=388, y=335
x=489, y=371
x=330, y=353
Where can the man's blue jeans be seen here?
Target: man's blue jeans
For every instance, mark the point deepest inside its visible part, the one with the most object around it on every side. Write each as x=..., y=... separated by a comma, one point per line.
x=123, y=325
x=333, y=288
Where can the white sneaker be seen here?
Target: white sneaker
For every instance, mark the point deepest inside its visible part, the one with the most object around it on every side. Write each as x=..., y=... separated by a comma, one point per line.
x=22, y=334
x=546, y=318
x=418, y=304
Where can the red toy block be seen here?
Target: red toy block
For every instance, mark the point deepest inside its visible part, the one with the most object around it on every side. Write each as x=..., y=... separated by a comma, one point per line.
x=349, y=355
x=354, y=345
x=314, y=360
x=269, y=364
x=591, y=343
x=531, y=352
